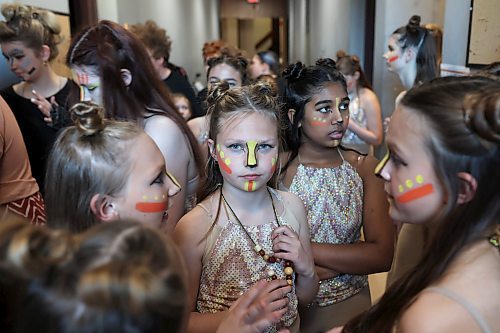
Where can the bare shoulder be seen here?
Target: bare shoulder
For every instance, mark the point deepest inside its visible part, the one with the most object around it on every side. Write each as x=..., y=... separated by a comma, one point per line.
x=163, y=125
x=434, y=313
x=291, y=200
x=368, y=95
x=190, y=228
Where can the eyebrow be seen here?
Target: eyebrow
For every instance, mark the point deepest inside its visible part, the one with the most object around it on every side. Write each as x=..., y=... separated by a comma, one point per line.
x=14, y=52
x=325, y=101
x=245, y=141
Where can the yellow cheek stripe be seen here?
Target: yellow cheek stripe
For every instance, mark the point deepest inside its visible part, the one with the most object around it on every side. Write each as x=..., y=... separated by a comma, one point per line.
x=251, y=158
x=337, y=102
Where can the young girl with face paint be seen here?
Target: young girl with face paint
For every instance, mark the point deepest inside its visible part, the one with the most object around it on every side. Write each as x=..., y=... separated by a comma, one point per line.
x=364, y=131
x=244, y=231
x=113, y=69
x=442, y=169
x=340, y=192
x=29, y=39
x=102, y=170
x=412, y=54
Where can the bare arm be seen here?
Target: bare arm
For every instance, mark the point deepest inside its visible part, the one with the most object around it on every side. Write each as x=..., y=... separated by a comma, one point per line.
x=296, y=247
x=375, y=253
x=174, y=146
x=372, y=134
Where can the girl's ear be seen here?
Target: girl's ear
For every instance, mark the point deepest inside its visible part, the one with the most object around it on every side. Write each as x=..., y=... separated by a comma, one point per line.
x=468, y=187
x=103, y=208
x=291, y=116
x=126, y=76
x=211, y=148
x=356, y=75
x=410, y=53
x=45, y=53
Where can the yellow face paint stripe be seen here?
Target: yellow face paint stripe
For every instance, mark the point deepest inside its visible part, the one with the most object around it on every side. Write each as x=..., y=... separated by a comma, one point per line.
x=251, y=158
x=382, y=164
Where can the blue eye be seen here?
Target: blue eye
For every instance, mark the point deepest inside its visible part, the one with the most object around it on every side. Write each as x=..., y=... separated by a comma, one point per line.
x=236, y=146
x=264, y=146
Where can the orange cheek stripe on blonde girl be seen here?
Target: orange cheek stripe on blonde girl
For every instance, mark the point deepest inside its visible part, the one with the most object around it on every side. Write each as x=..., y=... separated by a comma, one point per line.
x=151, y=207
x=393, y=58
x=416, y=193
x=224, y=163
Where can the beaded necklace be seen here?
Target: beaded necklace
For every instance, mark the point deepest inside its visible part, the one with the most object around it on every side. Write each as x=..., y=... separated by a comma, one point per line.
x=260, y=251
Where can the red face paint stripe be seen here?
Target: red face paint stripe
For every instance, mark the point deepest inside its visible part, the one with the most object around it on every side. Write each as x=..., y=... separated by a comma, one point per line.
x=224, y=166
x=392, y=59
x=319, y=123
x=416, y=193
x=250, y=186
x=151, y=207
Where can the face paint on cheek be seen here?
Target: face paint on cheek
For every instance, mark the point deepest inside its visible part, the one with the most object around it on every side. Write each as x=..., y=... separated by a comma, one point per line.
x=151, y=206
x=337, y=103
x=416, y=193
x=393, y=58
x=224, y=163
x=319, y=122
x=273, y=164
x=249, y=186
x=251, y=158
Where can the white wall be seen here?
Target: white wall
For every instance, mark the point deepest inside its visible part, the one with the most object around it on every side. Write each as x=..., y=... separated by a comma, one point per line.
x=189, y=23
x=455, y=32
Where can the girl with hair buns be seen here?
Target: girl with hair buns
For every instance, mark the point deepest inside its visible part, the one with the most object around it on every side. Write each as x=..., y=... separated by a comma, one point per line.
x=113, y=69
x=442, y=169
x=102, y=170
x=412, y=54
x=340, y=192
x=243, y=230
x=364, y=131
x=29, y=38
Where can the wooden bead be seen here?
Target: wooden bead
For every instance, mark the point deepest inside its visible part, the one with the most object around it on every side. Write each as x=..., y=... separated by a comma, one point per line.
x=288, y=263
x=270, y=272
x=266, y=257
x=290, y=282
x=272, y=259
x=262, y=253
x=274, y=277
x=288, y=270
x=257, y=248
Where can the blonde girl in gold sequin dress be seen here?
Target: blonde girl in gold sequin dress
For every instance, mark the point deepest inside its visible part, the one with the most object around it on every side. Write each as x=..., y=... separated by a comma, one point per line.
x=445, y=136
x=244, y=231
x=341, y=194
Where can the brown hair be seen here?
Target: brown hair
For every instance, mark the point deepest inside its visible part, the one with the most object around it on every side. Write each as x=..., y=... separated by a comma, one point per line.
x=349, y=64
x=463, y=117
x=89, y=158
x=155, y=39
x=32, y=26
x=120, y=276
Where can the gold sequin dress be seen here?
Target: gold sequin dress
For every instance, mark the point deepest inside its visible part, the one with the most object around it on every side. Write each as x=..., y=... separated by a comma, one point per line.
x=231, y=266
x=333, y=198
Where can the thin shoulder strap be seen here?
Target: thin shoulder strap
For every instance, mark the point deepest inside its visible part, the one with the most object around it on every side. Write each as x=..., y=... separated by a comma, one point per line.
x=478, y=317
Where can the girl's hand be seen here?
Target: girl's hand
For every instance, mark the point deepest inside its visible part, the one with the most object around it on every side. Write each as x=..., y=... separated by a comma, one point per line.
x=44, y=105
x=287, y=245
x=260, y=307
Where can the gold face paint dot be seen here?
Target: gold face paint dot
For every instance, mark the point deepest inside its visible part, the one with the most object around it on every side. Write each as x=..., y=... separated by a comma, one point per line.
x=401, y=188
x=273, y=161
x=218, y=147
x=409, y=183
x=156, y=197
x=221, y=153
x=144, y=197
x=227, y=161
x=419, y=179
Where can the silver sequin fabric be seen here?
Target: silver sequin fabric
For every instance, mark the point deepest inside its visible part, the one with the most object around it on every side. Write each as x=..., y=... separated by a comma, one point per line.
x=232, y=267
x=333, y=198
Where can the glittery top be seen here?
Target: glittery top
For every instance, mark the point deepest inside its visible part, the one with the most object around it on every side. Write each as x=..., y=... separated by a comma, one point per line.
x=231, y=265
x=334, y=202
x=351, y=139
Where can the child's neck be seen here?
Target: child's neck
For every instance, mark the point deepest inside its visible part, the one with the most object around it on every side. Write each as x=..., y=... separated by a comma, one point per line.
x=247, y=201
x=320, y=156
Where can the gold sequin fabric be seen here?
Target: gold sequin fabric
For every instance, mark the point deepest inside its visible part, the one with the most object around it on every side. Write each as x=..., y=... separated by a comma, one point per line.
x=231, y=266
x=333, y=198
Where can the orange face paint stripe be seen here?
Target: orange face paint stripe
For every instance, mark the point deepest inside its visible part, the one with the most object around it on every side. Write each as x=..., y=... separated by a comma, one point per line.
x=249, y=185
x=416, y=193
x=393, y=58
x=318, y=123
x=224, y=166
x=151, y=207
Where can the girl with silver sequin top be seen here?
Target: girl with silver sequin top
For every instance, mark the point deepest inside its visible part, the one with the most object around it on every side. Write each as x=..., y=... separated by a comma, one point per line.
x=243, y=231
x=340, y=192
